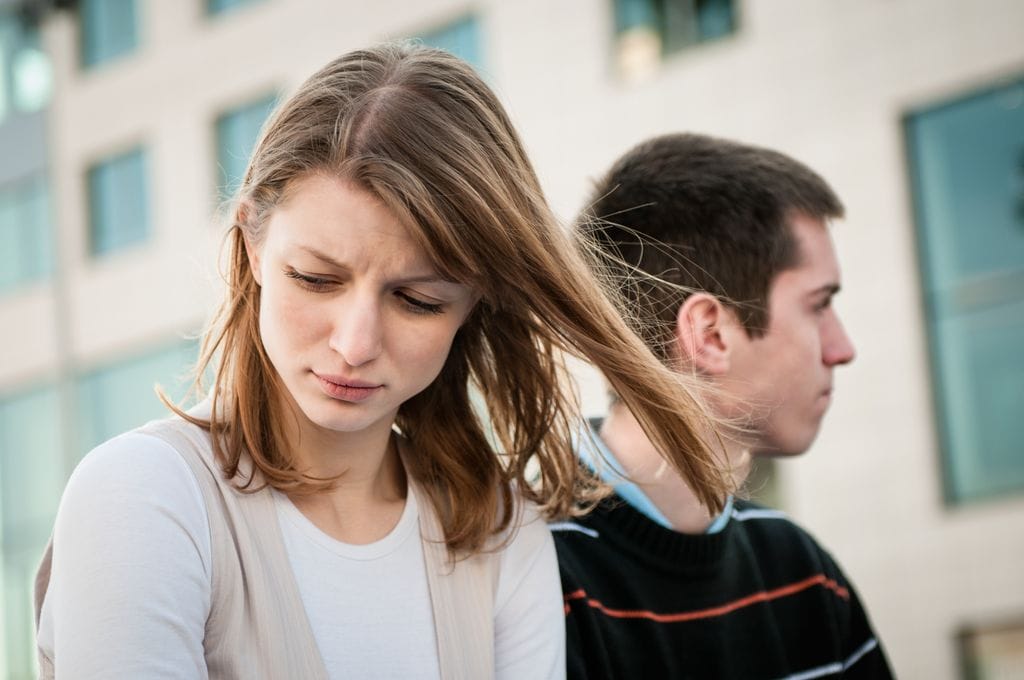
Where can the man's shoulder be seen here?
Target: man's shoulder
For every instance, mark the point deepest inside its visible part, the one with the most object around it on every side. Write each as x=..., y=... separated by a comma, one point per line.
x=606, y=539
x=774, y=534
x=640, y=596
x=597, y=528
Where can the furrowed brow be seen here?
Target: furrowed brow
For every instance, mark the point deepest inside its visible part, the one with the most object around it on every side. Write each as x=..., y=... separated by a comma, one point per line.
x=323, y=257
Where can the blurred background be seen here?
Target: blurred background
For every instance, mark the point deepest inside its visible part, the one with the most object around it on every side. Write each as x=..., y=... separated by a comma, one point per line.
x=125, y=123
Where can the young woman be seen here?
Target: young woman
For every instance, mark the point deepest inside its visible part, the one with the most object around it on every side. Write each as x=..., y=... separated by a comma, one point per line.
x=337, y=507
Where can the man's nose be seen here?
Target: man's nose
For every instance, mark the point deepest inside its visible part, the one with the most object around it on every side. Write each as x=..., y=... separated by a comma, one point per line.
x=837, y=348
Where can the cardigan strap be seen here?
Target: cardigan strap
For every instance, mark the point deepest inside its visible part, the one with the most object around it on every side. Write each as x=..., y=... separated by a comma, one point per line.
x=257, y=627
x=462, y=595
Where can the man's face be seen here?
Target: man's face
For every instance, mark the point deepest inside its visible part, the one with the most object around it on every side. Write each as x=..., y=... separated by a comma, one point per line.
x=783, y=380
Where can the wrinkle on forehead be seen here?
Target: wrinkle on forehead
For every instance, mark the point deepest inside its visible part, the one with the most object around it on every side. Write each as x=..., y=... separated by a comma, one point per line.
x=345, y=228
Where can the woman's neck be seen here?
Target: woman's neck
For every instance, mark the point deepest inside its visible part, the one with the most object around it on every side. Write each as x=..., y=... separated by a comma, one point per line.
x=368, y=495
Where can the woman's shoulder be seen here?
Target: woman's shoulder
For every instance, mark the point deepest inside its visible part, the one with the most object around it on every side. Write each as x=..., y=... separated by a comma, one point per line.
x=139, y=453
x=527, y=598
x=131, y=544
x=134, y=471
x=526, y=540
x=527, y=520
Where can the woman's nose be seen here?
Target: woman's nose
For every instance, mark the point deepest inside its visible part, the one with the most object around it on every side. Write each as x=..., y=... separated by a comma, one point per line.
x=358, y=330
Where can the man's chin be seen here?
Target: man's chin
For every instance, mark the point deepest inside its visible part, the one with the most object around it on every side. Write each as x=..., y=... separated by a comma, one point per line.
x=783, y=448
x=775, y=453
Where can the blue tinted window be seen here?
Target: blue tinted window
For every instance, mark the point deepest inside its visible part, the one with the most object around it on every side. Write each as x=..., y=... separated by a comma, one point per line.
x=9, y=36
x=25, y=232
x=31, y=479
x=34, y=467
x=31, y=466
x=218, y=6
x=967, y=163
x=119, y=397
x=108, y=29
x=461, y=38
x=715, y=19
x=676, y=24
x=237, y=132
x=631, y=14
x=26, y=79
x=118, y=202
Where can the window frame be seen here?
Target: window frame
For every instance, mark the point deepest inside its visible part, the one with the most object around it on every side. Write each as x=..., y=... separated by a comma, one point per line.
x=94, y=249
x=934, y=301
x=89, y=57
x=225, y=187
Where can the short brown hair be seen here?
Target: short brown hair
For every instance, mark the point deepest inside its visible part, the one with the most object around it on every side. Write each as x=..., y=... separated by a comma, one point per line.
x=705, y=214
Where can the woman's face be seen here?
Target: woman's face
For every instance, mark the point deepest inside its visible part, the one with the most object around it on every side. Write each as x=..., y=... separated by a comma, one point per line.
x=352, y=315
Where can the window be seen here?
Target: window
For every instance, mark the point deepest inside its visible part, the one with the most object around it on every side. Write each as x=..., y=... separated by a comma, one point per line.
x=108, y=29
x=646, y=30
x=26, y=80
x=237, y=132
x=966, y=160
x=993, y=653
x=25, y=233
x=218, y=6
x=34, y=466
x=31, y=479
x=461, y=38
x=118, y=204
x=8, y=37
x=117, y=398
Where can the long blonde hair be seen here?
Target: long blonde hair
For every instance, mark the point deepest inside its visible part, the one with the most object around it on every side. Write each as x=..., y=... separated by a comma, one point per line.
x=419, y=130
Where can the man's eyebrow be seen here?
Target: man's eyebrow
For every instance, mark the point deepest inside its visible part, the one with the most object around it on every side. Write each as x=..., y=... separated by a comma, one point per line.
x=828, y=289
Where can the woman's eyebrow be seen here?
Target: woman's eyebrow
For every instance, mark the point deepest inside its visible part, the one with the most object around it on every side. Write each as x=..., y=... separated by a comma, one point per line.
x=425, y=277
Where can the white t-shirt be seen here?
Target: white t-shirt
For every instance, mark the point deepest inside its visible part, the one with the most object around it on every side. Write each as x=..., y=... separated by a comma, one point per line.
x=130, y=585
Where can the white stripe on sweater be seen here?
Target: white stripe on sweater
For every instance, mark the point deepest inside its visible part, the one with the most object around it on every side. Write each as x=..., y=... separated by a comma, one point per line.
x=573, y=526
x=833, y=668
x=744, y=515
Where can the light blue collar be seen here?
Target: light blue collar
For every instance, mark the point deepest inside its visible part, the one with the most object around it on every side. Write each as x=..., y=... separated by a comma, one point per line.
x=591, y=450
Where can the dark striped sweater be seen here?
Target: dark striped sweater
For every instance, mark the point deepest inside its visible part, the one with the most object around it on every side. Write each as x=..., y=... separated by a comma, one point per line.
x=761, y=599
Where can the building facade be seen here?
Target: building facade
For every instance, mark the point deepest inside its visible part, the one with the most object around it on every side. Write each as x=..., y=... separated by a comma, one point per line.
x=125, y=124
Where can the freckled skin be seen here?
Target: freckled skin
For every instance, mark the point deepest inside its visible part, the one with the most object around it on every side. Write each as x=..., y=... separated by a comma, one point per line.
x=337, y=301
x=784, y=378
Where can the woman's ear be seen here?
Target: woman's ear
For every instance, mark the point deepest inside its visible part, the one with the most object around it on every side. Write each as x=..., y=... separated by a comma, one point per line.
x=252, y=251
x=703, y=334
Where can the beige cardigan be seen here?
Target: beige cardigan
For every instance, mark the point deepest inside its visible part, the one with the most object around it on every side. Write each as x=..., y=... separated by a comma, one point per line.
x=257, y=627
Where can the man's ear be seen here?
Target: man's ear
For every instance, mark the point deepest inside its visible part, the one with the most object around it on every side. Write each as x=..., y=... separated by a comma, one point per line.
x=702, y=334
x=252, y=252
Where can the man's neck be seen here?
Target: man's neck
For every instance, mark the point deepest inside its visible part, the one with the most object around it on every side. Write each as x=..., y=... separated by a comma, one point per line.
x=635, y=452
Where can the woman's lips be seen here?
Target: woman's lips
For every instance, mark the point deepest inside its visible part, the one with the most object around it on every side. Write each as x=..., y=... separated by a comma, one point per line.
x=347, y=389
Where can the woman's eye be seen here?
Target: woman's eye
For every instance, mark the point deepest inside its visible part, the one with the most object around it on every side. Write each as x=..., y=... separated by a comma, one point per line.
x=309, y=282
x=418, y=306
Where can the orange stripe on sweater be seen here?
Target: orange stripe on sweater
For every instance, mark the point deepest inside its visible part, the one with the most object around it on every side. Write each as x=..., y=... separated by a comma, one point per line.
x=761, y=596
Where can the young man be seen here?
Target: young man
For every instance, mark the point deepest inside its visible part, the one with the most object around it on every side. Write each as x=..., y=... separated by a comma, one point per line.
x=654, y=586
